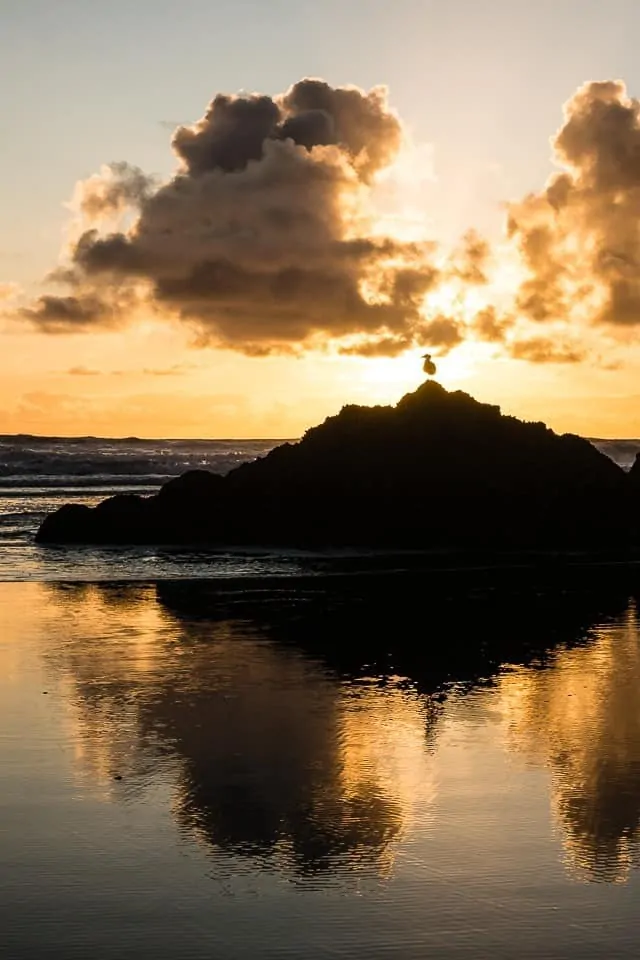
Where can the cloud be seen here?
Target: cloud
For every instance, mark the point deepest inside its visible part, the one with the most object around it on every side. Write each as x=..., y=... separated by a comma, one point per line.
x=117, y=188
x=262, y=240
x=444, y=333
x=579, y=239
x=173, y=371
x=266, y=238
x=489, y=326
x=81, y=371
x=235, y=129
x=471, y=261
x=541, y=350
x=69, y=314
x=384, y=346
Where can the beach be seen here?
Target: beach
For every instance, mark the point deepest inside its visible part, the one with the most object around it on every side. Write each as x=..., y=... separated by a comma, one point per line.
x=283, y=753
x=178, y=782
x=320, y=481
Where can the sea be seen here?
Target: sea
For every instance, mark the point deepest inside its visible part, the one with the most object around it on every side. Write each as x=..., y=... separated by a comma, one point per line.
x=39, y=474
x=241, y=755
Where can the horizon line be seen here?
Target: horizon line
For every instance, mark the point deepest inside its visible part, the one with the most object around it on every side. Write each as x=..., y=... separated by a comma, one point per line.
x=131, y=438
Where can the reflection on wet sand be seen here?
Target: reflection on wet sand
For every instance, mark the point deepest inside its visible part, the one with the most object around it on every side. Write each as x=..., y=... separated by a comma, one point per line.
x=581, y=718
x=275, y=759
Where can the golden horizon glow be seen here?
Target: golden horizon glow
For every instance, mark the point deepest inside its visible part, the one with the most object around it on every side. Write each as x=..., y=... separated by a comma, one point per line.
x=178, y=392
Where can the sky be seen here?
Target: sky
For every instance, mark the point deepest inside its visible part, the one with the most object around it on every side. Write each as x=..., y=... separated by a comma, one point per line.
x=477, y=92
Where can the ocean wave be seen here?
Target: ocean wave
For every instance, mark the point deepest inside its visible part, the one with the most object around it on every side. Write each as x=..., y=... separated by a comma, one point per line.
x=77, y=482
x=94, y=461
x=38, y=474
x=622, y=452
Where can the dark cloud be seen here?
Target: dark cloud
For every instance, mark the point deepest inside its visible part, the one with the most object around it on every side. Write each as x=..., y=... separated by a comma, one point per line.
x=361, y=124
x=95, y=254
x=235, y=129
x=382, y=347
x=72, y=314
x=260, y=241
x=232, y=132
x=264, y=241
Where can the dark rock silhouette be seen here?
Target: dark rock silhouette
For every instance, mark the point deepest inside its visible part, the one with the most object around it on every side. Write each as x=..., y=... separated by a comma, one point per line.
x=634, y=473
x=438, y=471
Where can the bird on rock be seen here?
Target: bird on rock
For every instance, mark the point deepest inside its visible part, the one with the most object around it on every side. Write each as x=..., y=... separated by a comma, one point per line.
x=428, y=366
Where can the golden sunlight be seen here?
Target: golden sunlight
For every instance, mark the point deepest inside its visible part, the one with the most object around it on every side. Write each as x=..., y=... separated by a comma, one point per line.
x=386, y=379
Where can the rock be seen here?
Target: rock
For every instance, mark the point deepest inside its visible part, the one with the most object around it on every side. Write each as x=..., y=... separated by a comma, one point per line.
x=72, y=523
x=194, y=483
x=439, y=470
x=634, y=473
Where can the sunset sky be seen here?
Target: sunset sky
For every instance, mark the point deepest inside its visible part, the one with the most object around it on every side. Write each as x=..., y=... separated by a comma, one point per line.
x=258, y=292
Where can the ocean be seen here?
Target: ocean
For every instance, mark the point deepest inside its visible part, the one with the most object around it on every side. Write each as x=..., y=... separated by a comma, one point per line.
x=39, y=474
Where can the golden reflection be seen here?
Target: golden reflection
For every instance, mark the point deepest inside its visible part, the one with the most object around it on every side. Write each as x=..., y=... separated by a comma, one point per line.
x=271, y=756
x=581, y=719
x=266, y=753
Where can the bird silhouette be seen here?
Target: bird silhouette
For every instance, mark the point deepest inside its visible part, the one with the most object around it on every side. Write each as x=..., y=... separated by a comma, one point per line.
x=428, y=366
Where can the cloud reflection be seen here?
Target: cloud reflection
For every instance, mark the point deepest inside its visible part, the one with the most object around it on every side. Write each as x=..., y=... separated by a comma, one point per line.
x=580, y=718
x=272, y=758
x=275, y=754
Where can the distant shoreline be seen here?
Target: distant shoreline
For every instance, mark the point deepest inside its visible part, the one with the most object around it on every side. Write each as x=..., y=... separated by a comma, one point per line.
x=91, y=438
x=70, y=438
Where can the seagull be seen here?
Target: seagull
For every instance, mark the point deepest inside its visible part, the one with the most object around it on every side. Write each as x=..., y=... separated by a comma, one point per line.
x=428, y=366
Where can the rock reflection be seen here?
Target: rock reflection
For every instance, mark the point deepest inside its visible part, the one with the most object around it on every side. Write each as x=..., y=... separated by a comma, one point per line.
x=581, y=718
x=273, y=755
x=274, y=758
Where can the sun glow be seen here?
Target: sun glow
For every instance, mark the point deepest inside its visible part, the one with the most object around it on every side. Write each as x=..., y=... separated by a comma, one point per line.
x=385, y=379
